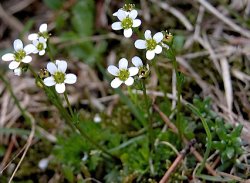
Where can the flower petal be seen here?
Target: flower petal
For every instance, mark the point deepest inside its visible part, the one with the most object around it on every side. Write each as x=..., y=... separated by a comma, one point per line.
x=70, y=78
x=158, y=49
x=116, y=26
x=115, y=83
x=60, y=88
x=137, y=61
x=150, y=54
x=140, y=44
x=18, y=71
x=43, y=28
x=51, y=67
x=136, y=23
x=42, y=40
x=8, y=57
x=127, y=33
x=27, y=59
x=33, y=36
x=121, y=14
x=147, y=34
x=123, y=63
x=133, y=14
x=158, y=37
x=133, y=71
x=113, y=70
x=42, y=52
x=29, y=48
x=18, y=45
x=62, y=65
x=14, y=65
x=49, y=81
x=129, y=81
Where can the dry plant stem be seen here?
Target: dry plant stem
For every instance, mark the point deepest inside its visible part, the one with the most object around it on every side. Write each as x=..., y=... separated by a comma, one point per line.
x=175, y=130
x=223, y=18
x=27, y=118
x=177, y=161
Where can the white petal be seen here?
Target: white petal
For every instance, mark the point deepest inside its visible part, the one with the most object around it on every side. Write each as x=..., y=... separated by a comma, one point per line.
x=36, y=51
x=29, y=48
x=62, y=65
x=60, y=88
x=133, y=71
x=14, y=65
x=49, y=81
x=8, y=57
x=115, y=14
x=33, y=36
x=158, y=49
x=137, y=61
x=113, y=70
x=42, y=40
x=27, y=59
x=42, y=52
x=17, y=72
x=116, y=26
x=70, y=79
x=140, y=44
x=18, y=45
x=129, y=81
x=128, y=32
x=133, y=14
x=43, y=28
x=150, y=54
x=35, y=42
x=115, y=83
x=121, y=14
x=147, y=34
x=158, y=37
x=51, y=67
x=136, y=23
x=123, y=63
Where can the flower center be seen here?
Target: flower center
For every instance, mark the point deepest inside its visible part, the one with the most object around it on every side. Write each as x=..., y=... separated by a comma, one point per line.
x=19, y=55
x=40, y=46
x=127, y=23
x=151, y=44
x=123, y=74
x=59, y=77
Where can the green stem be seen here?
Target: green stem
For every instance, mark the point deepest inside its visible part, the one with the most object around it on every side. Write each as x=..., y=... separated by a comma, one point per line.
x=150, y=124
x=208, y=133
x=69, y=106
x=178, y=85
x=69, y=118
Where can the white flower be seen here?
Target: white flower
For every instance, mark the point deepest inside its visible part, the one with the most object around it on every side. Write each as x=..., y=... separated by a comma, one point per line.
x=43, y=32
x=143, y=69
x=20, y=54
x=123, y=74
x=151, y=44
x=58, y=76
x=18, y=71
x=116, y=13
x=40, y=45
x=137, y=62
x=127, y=22
x=43, y=163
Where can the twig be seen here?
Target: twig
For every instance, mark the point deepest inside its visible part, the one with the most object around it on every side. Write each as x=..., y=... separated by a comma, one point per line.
x=176, y=13
x=176, y=162
x=175, y=130
x=223, y=18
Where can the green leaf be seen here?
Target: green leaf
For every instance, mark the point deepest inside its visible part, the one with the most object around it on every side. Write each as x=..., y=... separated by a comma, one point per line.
x=54, y=4
x=68, y=173
x=230, y=152
x=83, y=17
x=213, y=178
